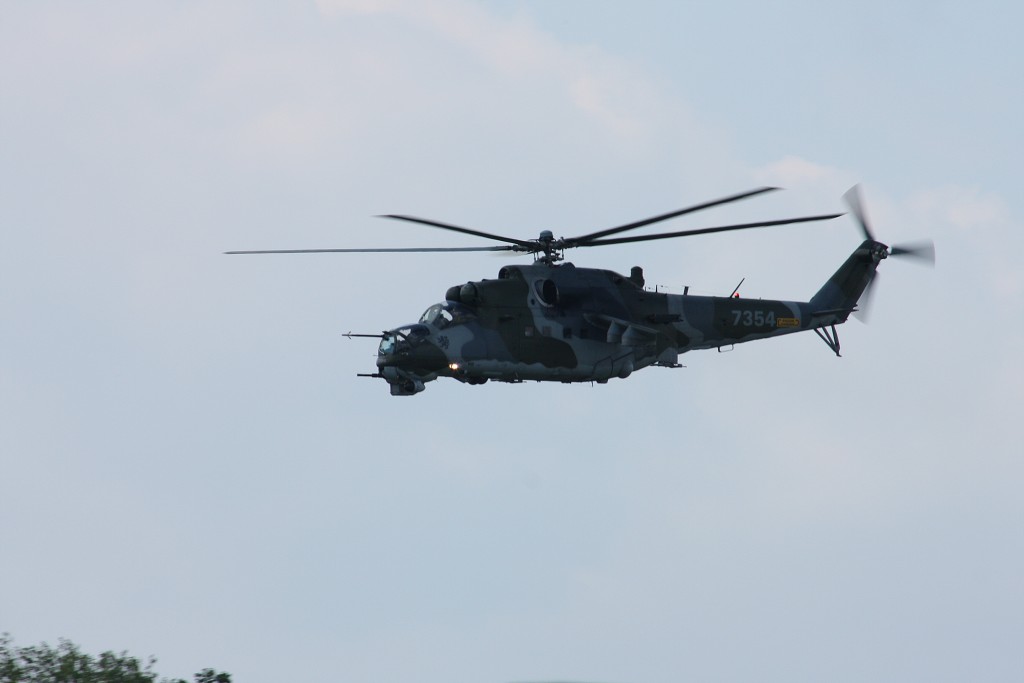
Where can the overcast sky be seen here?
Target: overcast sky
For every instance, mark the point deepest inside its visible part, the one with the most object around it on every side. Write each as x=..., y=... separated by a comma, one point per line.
x=191, y=468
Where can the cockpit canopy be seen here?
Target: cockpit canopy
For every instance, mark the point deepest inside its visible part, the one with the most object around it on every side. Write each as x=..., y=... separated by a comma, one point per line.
x=402, y=337
x=446, y=314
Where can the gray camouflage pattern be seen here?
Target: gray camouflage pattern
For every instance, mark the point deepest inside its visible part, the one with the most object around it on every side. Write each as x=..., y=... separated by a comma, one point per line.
x=559, y=323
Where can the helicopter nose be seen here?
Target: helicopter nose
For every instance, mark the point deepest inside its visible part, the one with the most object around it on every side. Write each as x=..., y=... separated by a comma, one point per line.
x=429, y=357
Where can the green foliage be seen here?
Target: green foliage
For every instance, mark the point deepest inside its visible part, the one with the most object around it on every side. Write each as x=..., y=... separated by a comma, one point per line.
x=66, y=663
x=211, y=676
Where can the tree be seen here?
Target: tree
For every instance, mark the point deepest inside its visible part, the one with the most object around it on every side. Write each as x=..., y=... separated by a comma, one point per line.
x=66, y=663
x=211, y=676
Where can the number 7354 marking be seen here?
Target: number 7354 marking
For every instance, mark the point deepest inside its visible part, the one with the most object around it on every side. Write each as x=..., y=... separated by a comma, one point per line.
x=753, y=318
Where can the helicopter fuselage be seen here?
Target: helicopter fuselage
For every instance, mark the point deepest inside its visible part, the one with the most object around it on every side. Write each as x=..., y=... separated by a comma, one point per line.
x=560, y=323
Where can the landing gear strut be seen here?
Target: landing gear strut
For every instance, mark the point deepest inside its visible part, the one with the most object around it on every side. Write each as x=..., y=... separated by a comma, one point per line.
x=830, y=337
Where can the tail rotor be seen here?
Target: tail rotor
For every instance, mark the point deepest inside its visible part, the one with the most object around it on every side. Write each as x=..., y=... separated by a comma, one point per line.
x=921, y=251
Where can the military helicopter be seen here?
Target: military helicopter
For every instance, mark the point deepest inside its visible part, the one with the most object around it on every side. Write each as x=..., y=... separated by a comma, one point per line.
x=551, y=321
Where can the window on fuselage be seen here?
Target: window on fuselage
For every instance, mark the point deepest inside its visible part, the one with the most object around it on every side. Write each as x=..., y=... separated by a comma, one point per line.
x=447, y=314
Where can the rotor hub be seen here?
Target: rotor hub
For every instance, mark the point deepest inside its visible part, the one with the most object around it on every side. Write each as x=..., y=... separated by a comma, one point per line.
x=549, y=250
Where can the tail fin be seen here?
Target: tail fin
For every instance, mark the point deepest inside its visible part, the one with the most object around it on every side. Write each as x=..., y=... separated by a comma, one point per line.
x=842, y=291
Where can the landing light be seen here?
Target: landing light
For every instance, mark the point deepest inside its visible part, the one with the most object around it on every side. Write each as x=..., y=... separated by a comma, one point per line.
x=454, y=367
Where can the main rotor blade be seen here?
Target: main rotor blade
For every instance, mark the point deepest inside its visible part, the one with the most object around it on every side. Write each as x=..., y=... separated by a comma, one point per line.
x=364, y=251
x=579, y=241
x=704, y=231
x=853, y=199
x=922, y=251
x=445, y=226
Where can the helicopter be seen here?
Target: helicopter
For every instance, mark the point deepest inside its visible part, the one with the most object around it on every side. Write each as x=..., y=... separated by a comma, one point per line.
x=551, y=321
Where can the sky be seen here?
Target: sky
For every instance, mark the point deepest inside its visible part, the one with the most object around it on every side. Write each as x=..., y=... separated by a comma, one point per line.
x=191, y=468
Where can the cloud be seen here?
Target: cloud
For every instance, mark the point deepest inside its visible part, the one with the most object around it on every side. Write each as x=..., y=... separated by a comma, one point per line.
x=793, y=172
x=975, y=230
x=964, y=208
x=970, y=225
x=618, y=98
x=358, y=7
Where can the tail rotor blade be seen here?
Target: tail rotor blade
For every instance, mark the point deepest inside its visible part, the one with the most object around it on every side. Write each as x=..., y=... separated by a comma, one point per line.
x=921, y=251
x=853, y=199
x=863, y=312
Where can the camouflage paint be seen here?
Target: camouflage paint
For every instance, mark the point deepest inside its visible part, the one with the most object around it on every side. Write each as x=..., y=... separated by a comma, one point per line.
x=557, y=322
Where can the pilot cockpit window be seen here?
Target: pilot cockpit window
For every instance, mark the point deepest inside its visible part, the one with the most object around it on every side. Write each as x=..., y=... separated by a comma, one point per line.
x=446, y=314
x=430, y=315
